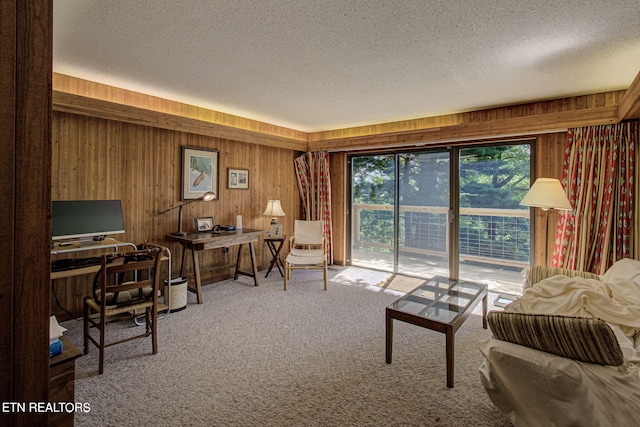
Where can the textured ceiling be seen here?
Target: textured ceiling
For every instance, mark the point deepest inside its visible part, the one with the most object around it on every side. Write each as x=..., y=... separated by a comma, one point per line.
x=326, y=64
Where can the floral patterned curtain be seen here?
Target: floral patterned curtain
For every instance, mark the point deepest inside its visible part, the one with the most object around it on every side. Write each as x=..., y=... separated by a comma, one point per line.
x=314, y=185
x=598, y=175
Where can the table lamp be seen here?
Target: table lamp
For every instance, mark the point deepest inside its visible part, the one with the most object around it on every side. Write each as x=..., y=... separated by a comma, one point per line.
x=274, y=210
x=206, y=197
x=547, y=193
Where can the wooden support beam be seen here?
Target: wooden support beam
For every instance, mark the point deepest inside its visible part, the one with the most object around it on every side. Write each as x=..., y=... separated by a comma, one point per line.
x=630, y=103
x=26, y=47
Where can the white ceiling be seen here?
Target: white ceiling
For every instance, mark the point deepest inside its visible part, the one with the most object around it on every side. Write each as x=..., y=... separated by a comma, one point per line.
x=325, y=64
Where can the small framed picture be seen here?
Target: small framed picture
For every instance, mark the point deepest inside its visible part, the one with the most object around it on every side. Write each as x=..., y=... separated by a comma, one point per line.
x=237, y=179
x=203, y=224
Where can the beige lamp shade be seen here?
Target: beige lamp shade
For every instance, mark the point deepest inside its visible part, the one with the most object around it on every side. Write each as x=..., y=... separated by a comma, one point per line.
x=547, y=193
x=273, y=209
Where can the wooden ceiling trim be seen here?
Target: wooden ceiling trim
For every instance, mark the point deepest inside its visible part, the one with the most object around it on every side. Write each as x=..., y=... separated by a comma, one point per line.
x=77, y=104
x=630, y=102
x=587, y=104
x=99, y=91
x=90, y=98
x=514, y=126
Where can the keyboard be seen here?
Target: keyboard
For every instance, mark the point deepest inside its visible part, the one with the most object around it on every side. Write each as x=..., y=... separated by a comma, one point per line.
x=73, y=263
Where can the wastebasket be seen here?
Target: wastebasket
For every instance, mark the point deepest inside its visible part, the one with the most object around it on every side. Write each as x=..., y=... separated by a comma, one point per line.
x=178, y=300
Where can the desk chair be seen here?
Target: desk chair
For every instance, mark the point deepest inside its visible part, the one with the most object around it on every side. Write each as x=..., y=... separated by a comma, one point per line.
x=126, y=287
x=307, y=249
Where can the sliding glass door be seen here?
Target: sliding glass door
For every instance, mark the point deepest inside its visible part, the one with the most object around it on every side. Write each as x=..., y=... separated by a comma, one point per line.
x=373, y=194
x=423, y=213
x=451, y=212
x=400, y=211
x=494, y=230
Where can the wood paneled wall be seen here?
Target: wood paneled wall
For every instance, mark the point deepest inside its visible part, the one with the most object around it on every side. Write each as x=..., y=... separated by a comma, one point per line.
x=95, y=158
x=339, y=205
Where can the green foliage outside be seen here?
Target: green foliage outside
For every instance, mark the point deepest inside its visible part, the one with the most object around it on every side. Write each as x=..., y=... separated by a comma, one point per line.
x=490, y=177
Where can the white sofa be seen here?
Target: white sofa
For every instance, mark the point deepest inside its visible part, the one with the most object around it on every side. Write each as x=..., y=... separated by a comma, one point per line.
x=593, y=379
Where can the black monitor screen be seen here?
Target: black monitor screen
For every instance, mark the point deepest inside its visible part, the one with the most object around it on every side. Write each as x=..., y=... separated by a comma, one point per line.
x=74, y=219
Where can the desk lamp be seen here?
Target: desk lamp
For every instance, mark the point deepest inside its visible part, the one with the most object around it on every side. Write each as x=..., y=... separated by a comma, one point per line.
x=206, y=197
x=274, y=210
x=547, y=193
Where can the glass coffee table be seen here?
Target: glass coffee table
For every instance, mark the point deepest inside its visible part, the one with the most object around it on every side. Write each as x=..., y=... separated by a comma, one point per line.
x=440, y=304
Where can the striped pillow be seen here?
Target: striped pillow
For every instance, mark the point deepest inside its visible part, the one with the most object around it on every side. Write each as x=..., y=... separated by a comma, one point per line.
x=581, y=338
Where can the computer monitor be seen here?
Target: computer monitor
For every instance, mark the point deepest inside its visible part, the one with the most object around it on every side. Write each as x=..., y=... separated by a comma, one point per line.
x=85, y=219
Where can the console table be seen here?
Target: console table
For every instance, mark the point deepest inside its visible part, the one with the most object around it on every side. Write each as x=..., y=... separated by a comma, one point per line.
x=72, y=247
x=201, y=241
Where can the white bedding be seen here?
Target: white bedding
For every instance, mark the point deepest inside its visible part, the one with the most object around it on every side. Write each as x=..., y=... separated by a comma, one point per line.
x=616, y=302
x=534, y=388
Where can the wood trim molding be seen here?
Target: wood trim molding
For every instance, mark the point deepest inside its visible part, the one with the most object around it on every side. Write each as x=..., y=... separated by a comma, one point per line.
x=630, y=103
x=73, y=95
x=469, y=129
x=100, y=100
x=77, y=104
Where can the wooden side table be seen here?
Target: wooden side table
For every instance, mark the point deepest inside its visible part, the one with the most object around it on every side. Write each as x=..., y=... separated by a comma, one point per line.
x=275, y=246
x=62, y=376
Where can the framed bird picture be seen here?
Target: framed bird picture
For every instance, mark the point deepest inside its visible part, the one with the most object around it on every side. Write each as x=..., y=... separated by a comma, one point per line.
x=199, y=172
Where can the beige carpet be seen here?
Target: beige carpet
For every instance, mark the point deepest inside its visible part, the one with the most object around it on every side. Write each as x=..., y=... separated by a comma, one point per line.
x=260, y=356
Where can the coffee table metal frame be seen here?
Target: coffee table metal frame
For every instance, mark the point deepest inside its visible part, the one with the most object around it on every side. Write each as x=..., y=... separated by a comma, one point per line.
x=440, y=304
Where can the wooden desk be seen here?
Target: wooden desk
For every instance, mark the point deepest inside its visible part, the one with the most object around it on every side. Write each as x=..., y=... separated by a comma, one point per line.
x=200, y=241
x=76, y=247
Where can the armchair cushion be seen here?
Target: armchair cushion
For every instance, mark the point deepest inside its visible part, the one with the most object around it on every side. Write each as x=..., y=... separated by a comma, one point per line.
x=307, y=252
x=584, y=339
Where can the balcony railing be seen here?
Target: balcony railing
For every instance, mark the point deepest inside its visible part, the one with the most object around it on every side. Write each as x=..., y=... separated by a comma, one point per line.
x=492, y=236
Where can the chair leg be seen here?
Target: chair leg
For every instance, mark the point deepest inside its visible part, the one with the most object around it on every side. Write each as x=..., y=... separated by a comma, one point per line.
x=152, y=317
x=287, y=274
x=86, y=327
x=325, y=277
x=103, y=326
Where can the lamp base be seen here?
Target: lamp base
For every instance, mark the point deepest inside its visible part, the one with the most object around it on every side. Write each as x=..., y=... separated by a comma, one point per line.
x=276, y=228
x=179, y=233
